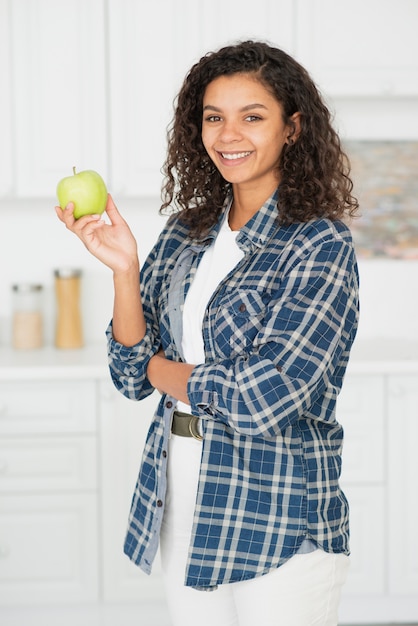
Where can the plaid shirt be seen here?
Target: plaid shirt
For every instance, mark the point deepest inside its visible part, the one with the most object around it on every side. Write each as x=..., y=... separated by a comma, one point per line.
x=277, y=335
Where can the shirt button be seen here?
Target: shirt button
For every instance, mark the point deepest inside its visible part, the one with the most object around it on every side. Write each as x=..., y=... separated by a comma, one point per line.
x=159, y=503
x=165, y=454
x=279, y=368
x=242, y=307
x=169, y=404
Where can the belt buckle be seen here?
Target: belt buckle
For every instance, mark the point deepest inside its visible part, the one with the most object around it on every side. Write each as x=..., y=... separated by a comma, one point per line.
x=193, y=428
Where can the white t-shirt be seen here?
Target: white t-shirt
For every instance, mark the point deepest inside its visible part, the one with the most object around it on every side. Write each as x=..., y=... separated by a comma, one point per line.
x=218, y=260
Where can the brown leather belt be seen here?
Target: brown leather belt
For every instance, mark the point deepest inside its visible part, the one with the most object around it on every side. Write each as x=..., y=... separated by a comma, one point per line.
x=185, y=425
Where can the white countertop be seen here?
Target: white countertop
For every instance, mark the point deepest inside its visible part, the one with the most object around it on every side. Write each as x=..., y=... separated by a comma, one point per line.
x=383, y=355
x=368, y=356
x=49, y=362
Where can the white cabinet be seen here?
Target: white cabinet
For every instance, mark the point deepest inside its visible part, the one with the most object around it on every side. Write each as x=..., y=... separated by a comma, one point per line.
x=41, y=408
x=70, y=450
x=361, y=411
x=123, y=428
x=48, y=463
x=360, y=49
x=151, y=48
x=378, y=411
x=364, y=57
x=380, y=466
x=144, y=44
x=48, y=548
x=92, y=84
x=55, y=76
x=48, y=492
x=402, y=483
x=6, y=143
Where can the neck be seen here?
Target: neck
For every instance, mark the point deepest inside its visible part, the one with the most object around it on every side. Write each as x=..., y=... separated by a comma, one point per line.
x=245, y=205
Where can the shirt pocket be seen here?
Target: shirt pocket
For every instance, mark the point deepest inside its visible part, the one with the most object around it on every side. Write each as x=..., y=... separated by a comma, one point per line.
x=239, y=317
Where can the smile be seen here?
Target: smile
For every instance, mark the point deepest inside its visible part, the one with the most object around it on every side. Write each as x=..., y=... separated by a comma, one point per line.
x=231, y=156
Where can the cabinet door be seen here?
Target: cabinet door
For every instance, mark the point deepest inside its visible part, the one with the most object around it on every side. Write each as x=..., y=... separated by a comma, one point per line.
x=222, y=23
x=6, y=149
x=361, y=411
x=45, y=407
x=152, y=45
x=403, y=488
x=58, y=68
x=48, y=549
x=48, y=463
x=360, y=48
x=368, y=544
x=124, y=424
x=142, y=61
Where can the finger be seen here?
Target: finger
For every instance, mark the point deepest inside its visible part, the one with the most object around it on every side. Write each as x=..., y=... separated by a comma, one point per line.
x=112, y=211
x=76, y=225
x=69, y=208
x=66, y=214
x=59, y=213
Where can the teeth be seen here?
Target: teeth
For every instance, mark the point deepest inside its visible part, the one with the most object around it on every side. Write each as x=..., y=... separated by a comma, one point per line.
x=236, y=155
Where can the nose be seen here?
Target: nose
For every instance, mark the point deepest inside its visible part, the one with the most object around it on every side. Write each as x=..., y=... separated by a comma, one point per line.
x=230, y=131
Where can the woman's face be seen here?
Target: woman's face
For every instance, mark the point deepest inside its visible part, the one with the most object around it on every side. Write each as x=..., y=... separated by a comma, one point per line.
x=243, y=131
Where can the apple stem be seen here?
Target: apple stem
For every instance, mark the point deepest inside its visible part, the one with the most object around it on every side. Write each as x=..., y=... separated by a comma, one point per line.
x=74, y=170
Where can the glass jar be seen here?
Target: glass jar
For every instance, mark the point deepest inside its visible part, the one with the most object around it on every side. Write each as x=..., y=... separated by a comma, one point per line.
x=68, y=329
x=27, y=316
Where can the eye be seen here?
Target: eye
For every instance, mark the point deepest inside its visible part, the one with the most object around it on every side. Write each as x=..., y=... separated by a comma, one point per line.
x=253, y=118
x=212, y=118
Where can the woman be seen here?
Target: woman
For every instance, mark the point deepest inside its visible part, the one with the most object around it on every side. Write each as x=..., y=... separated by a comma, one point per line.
x=244, y=321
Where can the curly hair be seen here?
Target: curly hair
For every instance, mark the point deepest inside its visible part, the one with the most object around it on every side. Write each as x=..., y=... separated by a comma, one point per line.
x=314, y=171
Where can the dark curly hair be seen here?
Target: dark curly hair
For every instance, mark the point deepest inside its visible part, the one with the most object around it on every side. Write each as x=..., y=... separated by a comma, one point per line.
x=314, y=170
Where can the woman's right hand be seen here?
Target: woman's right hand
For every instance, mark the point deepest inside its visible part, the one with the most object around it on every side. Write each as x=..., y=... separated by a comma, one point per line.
x=113, y=244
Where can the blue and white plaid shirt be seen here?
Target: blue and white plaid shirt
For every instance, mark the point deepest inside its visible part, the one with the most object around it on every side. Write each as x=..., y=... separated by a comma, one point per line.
x=277, y=334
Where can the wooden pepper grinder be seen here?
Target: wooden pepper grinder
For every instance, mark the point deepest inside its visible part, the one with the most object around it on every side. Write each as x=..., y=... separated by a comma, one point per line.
x=68, y=330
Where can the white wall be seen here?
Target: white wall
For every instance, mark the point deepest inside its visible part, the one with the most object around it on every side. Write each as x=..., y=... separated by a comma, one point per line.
x=33, y=242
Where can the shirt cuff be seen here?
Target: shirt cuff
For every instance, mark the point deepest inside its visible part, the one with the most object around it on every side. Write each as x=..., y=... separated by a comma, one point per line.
x=131, y=359
x=201, y=390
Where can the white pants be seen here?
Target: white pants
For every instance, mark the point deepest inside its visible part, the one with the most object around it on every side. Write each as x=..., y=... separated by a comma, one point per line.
x=305, y=591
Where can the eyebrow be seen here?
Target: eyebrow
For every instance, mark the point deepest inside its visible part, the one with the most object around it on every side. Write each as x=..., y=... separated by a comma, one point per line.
x=248, y=107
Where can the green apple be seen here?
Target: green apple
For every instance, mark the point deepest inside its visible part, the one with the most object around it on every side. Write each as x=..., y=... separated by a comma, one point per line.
x=86, y=190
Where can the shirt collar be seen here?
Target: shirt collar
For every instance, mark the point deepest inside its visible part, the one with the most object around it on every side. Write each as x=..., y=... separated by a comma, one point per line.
x=259, y=229
x=209, y=237
x=256, y=232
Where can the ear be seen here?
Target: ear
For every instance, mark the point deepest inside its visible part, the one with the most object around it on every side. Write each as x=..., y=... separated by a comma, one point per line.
x=294, y=128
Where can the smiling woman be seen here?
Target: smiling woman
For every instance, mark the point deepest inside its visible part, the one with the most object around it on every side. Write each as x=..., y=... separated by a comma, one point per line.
x=244, y=132
x=313, y=170
x=242, y=317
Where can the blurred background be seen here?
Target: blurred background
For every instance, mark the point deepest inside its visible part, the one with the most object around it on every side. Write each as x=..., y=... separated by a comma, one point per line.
x=91, y=84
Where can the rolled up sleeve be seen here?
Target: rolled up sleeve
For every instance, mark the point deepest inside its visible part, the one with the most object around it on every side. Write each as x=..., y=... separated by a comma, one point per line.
x=128, y=366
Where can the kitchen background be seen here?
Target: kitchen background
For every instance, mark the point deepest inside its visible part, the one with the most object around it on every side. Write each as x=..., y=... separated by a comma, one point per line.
x=90, y=83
